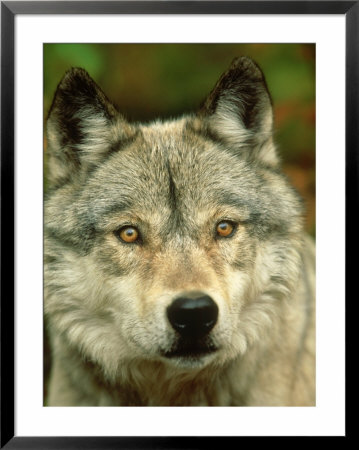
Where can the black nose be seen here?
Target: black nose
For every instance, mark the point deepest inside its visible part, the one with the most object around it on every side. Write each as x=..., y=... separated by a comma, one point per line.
x=193, y=315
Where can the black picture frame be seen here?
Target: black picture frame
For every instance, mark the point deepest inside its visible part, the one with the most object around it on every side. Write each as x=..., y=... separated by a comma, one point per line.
x=9, y=10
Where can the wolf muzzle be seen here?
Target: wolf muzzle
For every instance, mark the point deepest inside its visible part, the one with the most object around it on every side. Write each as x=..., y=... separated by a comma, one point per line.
x=193, y=315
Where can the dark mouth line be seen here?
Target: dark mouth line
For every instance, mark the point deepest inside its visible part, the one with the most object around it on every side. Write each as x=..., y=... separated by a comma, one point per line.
x=189, y=352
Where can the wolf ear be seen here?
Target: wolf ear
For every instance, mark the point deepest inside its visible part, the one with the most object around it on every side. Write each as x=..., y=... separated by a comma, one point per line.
x=81, y=127
x=239, y=110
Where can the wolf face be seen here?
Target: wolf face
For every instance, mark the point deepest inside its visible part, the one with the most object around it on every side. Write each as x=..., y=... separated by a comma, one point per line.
x=171, y=242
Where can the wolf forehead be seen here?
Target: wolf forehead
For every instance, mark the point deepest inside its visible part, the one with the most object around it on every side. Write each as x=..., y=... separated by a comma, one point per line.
x=168, y=162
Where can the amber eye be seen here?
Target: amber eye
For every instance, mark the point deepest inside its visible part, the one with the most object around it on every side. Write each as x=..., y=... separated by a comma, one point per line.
x=128, y=234
x=224, y=229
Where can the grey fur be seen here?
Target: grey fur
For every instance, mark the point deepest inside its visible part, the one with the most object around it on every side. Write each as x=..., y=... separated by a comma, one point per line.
x=106, y=300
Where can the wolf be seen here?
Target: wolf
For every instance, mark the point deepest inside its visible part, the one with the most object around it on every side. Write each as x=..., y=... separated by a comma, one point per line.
x=176, y=268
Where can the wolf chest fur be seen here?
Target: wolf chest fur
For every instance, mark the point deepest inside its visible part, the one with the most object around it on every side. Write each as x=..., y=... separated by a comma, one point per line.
x=177, y=271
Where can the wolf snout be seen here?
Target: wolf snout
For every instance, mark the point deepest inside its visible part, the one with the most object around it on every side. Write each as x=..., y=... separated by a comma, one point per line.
x=193, y=315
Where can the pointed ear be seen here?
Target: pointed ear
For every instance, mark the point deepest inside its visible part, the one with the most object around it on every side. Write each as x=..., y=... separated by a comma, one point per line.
x=82, y=127
x=239, y=110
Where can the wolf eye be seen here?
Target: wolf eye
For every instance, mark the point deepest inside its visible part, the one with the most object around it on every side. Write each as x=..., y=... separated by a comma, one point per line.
x=128, y=234
x=225, y=229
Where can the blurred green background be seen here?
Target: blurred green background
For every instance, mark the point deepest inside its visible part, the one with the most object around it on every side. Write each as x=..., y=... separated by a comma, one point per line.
x=147, y=81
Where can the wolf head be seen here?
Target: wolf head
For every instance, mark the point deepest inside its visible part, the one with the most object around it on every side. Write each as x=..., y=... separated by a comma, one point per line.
x=171, y=241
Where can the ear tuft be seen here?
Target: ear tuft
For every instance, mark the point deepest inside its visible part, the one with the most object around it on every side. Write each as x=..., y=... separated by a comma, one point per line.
x=81, y=128
x=239, y=109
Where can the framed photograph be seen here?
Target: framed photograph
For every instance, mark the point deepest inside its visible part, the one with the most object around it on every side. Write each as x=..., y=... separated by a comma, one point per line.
x=177, y=181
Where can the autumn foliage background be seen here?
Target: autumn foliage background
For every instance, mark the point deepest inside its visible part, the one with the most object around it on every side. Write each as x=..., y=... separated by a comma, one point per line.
x=147, y=81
